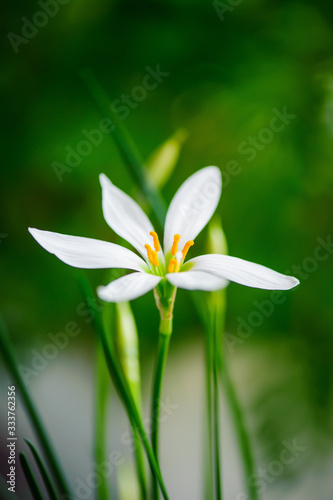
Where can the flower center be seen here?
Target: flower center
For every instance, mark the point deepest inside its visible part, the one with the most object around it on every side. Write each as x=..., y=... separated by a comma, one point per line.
x=177, y=258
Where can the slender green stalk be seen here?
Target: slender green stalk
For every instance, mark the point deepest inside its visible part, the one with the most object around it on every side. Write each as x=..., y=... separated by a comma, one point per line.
x=217, y=421
x=43, y=471
x=9, y=357
x=101, y=405
x=32, y=483
x=241, y=429
x=162, y=353
x=208, y=459
x=125, y=144
x=140, y=463
x=122, y=387
x=128, y=351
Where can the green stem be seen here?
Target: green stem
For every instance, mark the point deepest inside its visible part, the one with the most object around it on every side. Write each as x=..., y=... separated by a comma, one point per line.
x=122, y=386
x=140, y=464
x=162, y=353
x=216, y=341
x=128, y=352
x=102, y=385
x=208, y=463
x=9, y=357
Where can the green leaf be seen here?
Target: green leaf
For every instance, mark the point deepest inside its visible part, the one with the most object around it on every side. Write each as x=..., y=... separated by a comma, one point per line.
x=35, y=491
x=42, y=470
x=9, y=357
x=125, y=145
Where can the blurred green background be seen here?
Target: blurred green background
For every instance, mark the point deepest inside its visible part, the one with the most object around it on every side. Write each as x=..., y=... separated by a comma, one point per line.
x=227, y=73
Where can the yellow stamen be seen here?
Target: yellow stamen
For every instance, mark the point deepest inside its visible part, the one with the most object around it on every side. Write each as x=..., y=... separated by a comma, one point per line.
x=177, y=267
x=187, y=247
x=152, y=256
x=174, y=248
x=156, y=242
x=172, y=264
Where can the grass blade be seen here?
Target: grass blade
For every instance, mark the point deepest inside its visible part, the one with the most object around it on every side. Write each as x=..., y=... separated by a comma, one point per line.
x=125, y=145
x=33, y=486
x=42, y=470
x=9, y=357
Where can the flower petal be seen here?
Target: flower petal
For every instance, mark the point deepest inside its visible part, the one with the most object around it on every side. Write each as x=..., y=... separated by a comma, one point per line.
x=192, y=206
x=88, y=253
x=197, y=280
x=242, y=272
x=125, y=216
x=128, y=287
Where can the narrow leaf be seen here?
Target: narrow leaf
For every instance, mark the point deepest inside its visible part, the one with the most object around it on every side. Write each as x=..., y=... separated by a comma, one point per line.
x=33, y=486
x=125, y=144
x=9, y=357
x=42, y=470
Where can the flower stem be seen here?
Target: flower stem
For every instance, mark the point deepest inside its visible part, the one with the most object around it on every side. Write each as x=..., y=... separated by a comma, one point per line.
x=162, y=353
x=122, y=385
x=128, y=352
x=216, y=340
x=208, y=460
x=102, y=385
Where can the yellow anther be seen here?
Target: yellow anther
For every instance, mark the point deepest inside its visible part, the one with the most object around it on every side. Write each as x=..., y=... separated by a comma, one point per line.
x=172, y=264
x=156, y=242
x=174, y=248
x=152, y=256
x=187, y=247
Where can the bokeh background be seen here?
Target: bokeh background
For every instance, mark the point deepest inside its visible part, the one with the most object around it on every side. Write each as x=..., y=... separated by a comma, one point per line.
x=228, y=68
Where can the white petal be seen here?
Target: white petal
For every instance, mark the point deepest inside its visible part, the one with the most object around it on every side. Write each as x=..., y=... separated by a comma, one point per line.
x=128, y=287
x=192, y=206
x=197, y=280
x=125, y=216
x=242, y=272
x=87, y=253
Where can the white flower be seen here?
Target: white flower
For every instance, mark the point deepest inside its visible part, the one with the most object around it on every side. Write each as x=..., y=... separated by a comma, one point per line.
x=190, y=210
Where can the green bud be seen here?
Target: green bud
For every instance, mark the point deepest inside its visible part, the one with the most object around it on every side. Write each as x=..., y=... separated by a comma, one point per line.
x=128, y=348
x=217, y=242
x=162, y=162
